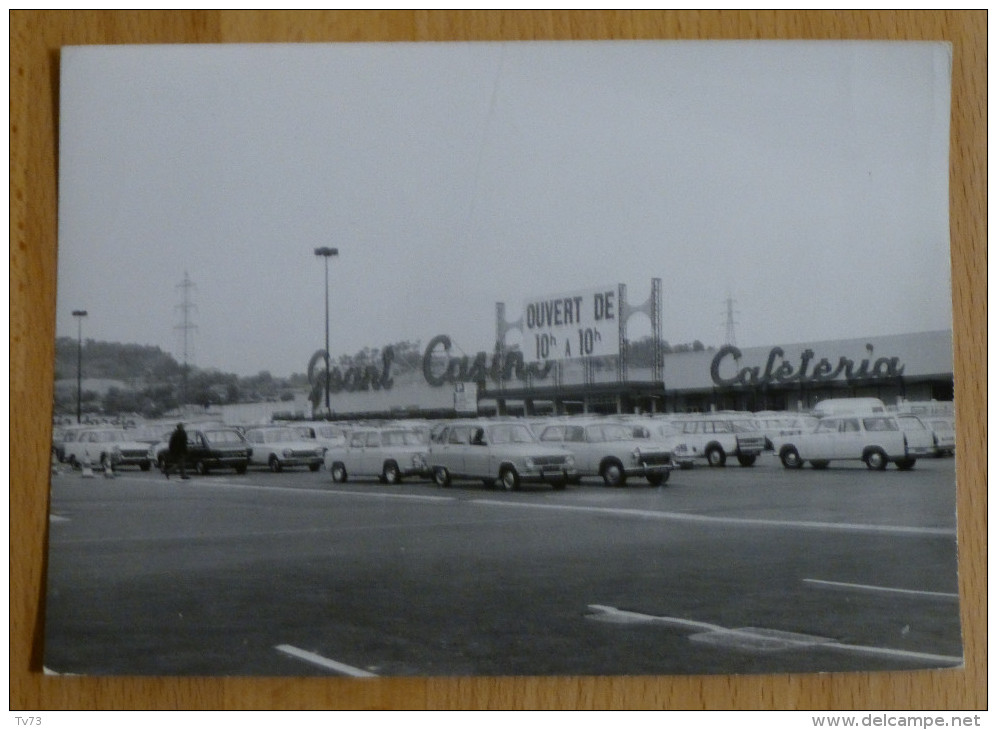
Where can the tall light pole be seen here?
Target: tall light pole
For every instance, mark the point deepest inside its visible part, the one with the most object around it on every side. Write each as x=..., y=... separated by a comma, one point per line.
x=327, y=253
x=79, y=314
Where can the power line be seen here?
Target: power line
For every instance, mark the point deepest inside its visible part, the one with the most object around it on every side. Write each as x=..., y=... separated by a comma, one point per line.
x=187, y=328
x=730, y=337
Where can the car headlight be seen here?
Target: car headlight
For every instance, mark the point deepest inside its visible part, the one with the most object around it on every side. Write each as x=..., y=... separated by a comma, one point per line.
x=570, y=460
x=288, y=453
x=529, y=463
x=635, y=456
x=418, y=462
x=681, y=449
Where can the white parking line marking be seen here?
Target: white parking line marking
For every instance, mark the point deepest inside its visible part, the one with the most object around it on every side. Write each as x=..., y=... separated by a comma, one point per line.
x=709, y=519
x=321, y=661
x=614, y=615
x=621, y=512
x=880, y=589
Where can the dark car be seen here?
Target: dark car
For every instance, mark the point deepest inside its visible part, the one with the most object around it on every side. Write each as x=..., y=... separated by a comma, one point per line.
x=216, y=447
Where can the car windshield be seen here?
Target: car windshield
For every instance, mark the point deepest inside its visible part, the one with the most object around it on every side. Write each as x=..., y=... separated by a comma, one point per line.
x=109, y=436
x=223, y=437
x=280, y=434
x=511, y=433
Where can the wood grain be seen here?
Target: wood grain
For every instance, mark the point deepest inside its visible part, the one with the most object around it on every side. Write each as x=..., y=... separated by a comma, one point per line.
x=35, y=40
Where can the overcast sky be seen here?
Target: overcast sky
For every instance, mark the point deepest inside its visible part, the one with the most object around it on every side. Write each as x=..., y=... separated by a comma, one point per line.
x=807, y=181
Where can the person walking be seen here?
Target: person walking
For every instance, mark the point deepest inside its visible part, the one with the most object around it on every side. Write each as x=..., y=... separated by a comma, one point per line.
x=177, y=453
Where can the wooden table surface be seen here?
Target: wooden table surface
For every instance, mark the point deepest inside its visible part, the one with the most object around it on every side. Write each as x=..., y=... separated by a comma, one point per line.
x=35, y=40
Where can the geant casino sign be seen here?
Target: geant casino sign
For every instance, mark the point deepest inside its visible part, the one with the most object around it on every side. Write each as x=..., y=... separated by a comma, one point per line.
x=439, y=368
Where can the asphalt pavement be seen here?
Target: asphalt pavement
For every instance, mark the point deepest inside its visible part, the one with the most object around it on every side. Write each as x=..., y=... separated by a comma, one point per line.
x=731, y=570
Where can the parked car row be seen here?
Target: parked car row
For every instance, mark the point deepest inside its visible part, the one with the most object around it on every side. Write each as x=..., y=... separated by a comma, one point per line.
x=509, y=452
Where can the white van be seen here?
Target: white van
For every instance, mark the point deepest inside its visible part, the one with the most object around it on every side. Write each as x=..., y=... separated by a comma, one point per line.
x=848, y=407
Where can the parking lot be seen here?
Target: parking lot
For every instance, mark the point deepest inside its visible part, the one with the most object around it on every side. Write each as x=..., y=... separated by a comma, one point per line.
x=722, y=570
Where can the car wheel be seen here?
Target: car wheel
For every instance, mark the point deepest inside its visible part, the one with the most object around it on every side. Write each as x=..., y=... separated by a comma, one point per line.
x=656, y=480
x=746, y=459
x=613, y=474
x=876, y=460
x=275, y=465
x=559, y=484
x=441, y=476
x=338, y=472
x=509, y=479
x=906, y=464
x=790, y=458
x=145, y=465
x=241, y=469
x=201, y=468
x=715, y=456
x=105, y=463
x=820, y=464
x=314, y=467
x=390, y=474
x=72, y=461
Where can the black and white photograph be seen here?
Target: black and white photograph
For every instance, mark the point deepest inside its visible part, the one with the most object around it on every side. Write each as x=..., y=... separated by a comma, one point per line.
x=603, y=358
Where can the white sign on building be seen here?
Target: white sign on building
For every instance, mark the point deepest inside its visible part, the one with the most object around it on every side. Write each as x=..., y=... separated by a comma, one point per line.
x=576, y=324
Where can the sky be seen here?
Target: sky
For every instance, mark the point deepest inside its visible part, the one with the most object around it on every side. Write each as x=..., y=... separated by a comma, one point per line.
x=805, y=181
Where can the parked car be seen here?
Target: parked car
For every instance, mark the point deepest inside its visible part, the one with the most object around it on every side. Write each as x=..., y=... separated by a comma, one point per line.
x=662, y=430
x=62, y=435
x=717, y=437
x=610, y=450
x=108, y=448
x=848, y=407
x=920, y=440
x=328, y=435
x=776, y=425
x=387, y=453
x=279, y=447
x=506, y=453
x=876, y=440
x=943, y=431
x=208, y=448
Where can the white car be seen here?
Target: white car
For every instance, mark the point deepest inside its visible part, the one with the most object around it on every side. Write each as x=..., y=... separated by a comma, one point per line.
x=278, y=447
x=387, y=453
x=920, y=440
x=943, y=430
x=875, y=439
x=108, y=448
x=716, y=437
x=610, y=450
x=776, y=425
x=506, y=453
x=328, y=435
x=662, y=430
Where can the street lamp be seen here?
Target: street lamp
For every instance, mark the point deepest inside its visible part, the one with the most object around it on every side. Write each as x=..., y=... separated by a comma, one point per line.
x=79, y=314
x=326, y=253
